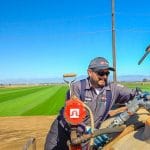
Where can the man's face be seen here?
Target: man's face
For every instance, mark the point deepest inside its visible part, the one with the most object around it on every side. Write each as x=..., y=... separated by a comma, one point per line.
x=98, y=78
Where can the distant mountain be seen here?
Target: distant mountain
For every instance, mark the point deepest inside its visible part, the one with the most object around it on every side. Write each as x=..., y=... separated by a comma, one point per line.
x=127, y=78
x=32, y=81
x=131, y=78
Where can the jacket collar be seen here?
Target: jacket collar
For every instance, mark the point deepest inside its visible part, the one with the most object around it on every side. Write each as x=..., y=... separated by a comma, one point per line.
x=89, y=85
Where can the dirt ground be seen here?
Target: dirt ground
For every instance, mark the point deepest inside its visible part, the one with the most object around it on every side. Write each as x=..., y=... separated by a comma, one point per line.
x=16, y=131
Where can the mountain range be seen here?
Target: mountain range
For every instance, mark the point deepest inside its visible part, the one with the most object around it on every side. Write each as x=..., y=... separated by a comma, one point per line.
x=124, y=78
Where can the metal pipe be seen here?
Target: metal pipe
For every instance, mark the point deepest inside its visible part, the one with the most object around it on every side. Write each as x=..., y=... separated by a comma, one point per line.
x=146, y=53
x=69, y=78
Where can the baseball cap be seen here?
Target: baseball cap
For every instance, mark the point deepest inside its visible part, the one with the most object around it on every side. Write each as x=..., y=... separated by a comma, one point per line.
x=100, y=63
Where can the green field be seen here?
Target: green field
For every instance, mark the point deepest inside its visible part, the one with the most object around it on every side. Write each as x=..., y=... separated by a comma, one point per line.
x=39, y=100
x=144, y=86
x=35, y=100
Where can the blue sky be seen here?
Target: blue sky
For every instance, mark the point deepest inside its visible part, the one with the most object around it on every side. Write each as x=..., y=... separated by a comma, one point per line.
x=46, y=38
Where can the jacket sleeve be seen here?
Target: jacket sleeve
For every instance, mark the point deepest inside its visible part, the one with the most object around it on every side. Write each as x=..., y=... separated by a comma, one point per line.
x=123, y=94
x=51, y=138
x=57, y=137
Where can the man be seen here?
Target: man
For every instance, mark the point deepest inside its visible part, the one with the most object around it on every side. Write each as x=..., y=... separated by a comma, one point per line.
x=98, y=94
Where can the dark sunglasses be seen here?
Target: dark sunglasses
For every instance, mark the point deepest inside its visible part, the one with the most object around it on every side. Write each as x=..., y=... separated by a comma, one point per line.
x=102, y=73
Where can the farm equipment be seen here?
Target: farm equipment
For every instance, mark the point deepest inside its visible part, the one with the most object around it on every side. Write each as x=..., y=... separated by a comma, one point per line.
x=76, y=110
x=69, y=78
x=147, y=51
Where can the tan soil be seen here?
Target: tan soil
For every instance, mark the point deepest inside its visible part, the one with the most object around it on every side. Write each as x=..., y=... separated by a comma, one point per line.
x=15, y=131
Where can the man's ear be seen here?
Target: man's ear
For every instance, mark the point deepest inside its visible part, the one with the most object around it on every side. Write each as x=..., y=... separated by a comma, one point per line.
x=89, y=71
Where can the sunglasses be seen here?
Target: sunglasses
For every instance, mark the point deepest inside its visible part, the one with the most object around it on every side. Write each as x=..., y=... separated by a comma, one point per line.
x=102, y=73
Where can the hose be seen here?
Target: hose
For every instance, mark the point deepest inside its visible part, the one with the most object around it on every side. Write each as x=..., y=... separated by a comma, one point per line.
x=92, y=123
x=86, y=137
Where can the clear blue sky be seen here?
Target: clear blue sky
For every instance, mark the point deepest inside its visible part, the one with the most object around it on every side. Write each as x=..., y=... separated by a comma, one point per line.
x=46, y=38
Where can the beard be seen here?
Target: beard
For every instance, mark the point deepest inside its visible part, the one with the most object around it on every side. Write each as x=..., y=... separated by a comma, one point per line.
x=98, y=83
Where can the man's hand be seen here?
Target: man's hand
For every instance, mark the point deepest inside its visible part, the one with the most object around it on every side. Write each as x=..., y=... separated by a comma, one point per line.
x=100, y=140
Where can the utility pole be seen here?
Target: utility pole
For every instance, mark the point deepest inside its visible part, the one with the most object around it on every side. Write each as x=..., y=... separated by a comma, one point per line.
x=113, y=40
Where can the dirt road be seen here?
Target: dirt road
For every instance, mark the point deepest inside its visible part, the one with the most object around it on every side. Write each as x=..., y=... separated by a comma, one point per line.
x=15, y=131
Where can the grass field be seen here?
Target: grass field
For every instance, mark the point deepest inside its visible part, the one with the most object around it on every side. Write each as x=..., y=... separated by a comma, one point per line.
x=29, y=101
x=144, y=86
x=39, y=100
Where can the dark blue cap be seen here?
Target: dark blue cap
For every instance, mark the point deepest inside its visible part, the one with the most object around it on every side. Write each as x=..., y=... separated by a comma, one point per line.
x=100, y=63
